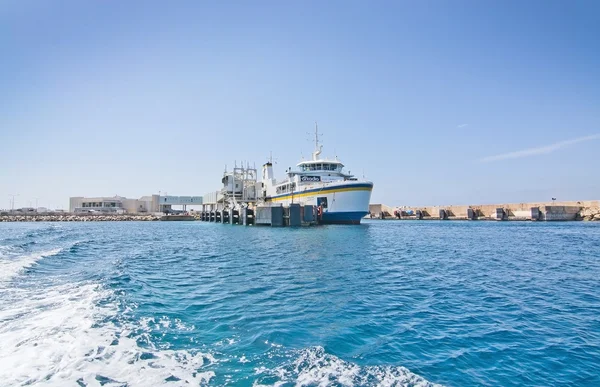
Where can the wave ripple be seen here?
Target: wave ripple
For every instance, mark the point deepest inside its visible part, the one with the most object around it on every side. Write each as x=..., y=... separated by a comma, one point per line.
x=13, y=264
x=383, y=304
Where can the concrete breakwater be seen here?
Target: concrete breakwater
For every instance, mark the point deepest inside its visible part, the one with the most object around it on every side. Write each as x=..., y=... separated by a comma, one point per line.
x=545, y=211
x=77, y=218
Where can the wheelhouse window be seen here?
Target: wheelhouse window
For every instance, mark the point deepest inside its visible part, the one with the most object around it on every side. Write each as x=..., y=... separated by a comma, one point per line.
x=321, y=167
x=285, y=188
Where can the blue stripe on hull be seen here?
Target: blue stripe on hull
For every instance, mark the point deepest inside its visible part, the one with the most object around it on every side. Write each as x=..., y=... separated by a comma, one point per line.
x=343, y=217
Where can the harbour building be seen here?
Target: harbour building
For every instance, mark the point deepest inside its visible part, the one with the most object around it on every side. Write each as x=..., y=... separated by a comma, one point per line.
x=123, y=205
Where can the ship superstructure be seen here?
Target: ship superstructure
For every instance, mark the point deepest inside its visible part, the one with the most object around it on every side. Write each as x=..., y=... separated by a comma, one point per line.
x=339, y=196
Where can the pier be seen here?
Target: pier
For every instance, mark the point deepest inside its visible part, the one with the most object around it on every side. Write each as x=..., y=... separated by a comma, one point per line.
x=293, y=215
x=238, y=203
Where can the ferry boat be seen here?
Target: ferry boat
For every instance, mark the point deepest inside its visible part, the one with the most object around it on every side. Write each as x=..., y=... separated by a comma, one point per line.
x=341, y=198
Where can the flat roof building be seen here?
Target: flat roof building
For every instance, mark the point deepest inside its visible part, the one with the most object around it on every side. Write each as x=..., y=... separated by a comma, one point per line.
x=122, y=205
x=114, y=204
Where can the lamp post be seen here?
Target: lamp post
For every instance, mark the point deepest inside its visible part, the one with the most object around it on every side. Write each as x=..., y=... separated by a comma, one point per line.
x=12, y=203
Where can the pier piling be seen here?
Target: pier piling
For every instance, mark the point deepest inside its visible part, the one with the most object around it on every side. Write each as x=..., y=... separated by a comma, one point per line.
x=295, y=219
x=247, y=216
x=308, y=214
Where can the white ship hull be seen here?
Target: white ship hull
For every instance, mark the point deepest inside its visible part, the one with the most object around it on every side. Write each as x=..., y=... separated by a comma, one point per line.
x=342, y=203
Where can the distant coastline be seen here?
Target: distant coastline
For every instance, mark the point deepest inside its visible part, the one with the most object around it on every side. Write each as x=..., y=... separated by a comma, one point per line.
x=588, y=210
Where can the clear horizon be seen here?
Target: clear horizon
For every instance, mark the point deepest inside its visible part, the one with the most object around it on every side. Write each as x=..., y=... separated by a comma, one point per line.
x=439, y=103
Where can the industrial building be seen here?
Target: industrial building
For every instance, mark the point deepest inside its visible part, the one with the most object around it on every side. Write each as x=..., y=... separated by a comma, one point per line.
x=122, y=205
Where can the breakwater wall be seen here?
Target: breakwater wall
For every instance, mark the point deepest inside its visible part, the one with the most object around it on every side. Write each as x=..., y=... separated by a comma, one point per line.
x=543, y=211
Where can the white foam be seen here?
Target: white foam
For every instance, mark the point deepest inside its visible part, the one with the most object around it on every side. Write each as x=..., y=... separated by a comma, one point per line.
x=225, y=341
x=273, y=344
x=12, y=265
x=314, y=367
x=68, y=333
x=149, y=323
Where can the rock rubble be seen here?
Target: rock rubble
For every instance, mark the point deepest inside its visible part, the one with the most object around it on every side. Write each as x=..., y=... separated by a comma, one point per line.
x=77, y=218
x=590, y=213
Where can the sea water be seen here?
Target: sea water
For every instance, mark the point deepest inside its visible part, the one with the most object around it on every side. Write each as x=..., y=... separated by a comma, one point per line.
x=386, y=303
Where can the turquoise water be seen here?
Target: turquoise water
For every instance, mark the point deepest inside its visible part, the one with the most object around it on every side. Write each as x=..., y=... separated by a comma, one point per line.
x=385, y=303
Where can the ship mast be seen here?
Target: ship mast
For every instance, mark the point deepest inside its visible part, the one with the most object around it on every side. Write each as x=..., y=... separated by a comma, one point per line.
x=318, y=147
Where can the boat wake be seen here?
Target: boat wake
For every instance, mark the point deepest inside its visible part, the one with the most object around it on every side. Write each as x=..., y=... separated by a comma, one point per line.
x=314, y=367
x=70, y=335
x=82, y=333
x=78, y=334
x=12, y=264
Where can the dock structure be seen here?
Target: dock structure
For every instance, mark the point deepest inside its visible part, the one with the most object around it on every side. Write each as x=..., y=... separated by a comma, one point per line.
x=294, y=215
x=238, y=203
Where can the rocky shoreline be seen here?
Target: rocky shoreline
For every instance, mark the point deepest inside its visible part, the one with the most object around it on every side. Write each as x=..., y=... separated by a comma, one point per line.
x=589, y=214
x=78, y=218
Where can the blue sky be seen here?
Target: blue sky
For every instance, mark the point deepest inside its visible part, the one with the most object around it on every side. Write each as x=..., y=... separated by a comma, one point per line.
x=437, y=102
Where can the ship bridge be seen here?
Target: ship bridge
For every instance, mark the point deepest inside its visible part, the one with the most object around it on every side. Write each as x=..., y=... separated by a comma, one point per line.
x=321, y=166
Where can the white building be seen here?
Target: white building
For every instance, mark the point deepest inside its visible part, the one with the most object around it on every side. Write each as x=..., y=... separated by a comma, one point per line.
x=115, y=204
x=122, y=205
